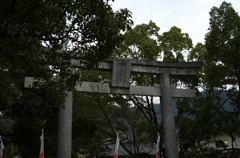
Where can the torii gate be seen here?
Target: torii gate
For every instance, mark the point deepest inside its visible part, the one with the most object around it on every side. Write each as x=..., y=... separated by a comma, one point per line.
x=121, y=69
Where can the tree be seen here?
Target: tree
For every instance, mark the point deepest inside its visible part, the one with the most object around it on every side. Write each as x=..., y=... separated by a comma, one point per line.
x=174, y=43
x=30, y=28
x=113, y=113
x=222, y=67
x=199, y=119
x=141, y=42
x=216, y=108
x=90, y=27
x=222, y=43
x=197, y=53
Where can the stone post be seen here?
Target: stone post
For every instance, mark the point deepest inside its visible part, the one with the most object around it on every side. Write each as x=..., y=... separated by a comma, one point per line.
x=169, y=129
x=65, y=128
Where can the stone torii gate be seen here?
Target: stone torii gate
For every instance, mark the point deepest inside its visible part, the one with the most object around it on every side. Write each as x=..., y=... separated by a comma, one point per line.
x=121, y=69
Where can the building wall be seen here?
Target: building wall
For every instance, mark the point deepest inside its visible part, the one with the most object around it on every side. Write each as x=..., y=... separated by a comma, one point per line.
x=223, y=139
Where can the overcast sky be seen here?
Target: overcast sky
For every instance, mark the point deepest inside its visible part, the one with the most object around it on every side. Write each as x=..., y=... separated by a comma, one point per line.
x=191, y=16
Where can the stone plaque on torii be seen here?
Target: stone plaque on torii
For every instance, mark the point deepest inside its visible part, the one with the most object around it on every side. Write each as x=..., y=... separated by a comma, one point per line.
x=121, y=69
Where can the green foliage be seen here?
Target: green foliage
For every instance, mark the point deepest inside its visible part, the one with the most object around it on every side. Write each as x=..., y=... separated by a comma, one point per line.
x=85, y=115
x=141, y=42
x=216, y=108
x=104, y=115
x=174, y=43
x=202, y=118
x=89, y=30
x=197, y=53
x=222, y=43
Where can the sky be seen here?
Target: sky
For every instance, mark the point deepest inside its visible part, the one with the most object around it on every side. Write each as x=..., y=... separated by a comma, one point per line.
x=191, y=16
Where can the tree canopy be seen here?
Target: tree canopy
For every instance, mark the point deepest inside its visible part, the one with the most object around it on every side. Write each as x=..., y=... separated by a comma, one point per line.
x=141, y=42
x=91, y=30
x=86, y=29
x=174, y=43
x=216, y=108
x=223, y=46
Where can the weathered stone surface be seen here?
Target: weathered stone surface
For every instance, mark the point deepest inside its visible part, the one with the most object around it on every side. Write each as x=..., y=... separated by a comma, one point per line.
x=121, y=73
x=65, y=128
x=150, y=67
x=169, y=128
x=106, y=88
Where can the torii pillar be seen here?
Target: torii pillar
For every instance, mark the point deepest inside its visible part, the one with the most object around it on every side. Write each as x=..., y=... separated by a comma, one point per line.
x=169, y=129
x=65, y=127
